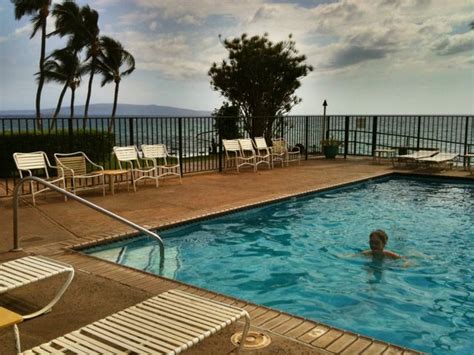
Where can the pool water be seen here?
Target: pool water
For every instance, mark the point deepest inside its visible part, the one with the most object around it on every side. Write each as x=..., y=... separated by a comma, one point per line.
x=303, y=256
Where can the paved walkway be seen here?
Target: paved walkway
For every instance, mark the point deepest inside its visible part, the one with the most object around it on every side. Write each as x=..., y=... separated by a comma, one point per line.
x=101, y=288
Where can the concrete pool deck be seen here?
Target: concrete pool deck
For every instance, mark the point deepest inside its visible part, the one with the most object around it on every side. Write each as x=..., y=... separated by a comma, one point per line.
x=101, y=288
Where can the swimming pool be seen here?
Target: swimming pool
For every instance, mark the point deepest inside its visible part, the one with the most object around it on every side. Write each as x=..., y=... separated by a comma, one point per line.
x=302, y=256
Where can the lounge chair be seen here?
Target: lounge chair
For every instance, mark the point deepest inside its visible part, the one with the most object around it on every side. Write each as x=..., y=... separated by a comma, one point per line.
x=82, y=171
x=281, y=153
x=129, y=156
x=29, y=269
x=159, y=156
x=233, y=152
x=248, y=150
x=263, y=150
x=169, y=323
x=440, y=160
x=38, y=161
x=414, y=157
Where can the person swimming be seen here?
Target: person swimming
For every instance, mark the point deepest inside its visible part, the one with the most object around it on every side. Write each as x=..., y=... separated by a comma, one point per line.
x=378, y=240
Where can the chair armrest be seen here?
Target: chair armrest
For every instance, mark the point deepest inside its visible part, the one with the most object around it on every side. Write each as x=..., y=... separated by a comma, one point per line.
x=173, y=157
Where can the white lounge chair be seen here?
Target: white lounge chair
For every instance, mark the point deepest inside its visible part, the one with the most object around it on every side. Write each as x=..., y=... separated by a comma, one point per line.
x=38, y=161
x=248, y=150
x=83, y=172
x=281, y=153
x=440, y=160
x=159, y=156
x=29, y=269
x=233, y=153
x=129, y=156
x=169, y=323
x=263, y=151
x=414, y=157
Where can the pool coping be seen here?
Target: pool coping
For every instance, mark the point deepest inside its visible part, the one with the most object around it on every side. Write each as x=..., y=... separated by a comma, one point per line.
x=318, y=336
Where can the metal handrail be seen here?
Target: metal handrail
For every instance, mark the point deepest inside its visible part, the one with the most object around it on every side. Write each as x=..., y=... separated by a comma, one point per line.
x=16, y=242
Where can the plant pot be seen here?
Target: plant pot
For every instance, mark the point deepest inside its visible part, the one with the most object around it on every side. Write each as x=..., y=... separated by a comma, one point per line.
x=330, y=151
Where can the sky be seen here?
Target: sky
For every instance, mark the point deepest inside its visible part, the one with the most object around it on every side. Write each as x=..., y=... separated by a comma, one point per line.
x=369, y=56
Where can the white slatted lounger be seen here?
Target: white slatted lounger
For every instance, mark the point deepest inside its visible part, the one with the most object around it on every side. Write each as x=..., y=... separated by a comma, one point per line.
x=169, y=323
x=440, y=160
x=24, y=271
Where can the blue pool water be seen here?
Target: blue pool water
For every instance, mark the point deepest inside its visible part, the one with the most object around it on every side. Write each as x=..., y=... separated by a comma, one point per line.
x=302, y=256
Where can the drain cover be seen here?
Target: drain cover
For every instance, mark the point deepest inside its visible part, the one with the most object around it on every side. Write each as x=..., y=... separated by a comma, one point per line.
x=254, y=340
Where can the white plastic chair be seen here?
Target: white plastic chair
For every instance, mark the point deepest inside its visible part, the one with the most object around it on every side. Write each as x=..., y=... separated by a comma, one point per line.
x=129, y=156
x=159, y=156
x=233, y=152
x=38, y=161
x=281, y=153
x=262, y=151
x=76, y=167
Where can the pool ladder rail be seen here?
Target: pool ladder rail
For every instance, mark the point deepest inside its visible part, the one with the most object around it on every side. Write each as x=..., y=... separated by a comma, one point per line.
x=16, y=241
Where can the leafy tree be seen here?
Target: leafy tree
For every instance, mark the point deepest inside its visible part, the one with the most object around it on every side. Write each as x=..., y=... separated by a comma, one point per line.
x=260, y=77
x=40, y=11
x=63, y=66
x=111, y=60
x=226, y=121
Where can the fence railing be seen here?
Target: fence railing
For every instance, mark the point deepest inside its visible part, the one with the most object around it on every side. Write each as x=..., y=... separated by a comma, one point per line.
x=196, y=140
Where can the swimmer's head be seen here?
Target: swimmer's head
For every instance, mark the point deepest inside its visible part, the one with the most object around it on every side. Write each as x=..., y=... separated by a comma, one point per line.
x=378, y=240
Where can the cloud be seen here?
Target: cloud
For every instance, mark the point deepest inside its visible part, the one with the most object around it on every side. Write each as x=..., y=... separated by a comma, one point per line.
x=455, y=44
x=350, y=55
x=24, y=30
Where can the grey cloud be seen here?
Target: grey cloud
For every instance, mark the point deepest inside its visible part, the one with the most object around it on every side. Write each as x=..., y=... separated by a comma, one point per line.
x=455, y=44
x=351, y=55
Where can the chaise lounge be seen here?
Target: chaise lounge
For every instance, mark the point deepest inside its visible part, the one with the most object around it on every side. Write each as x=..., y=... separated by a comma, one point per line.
x=440, y=160
x=169, y=323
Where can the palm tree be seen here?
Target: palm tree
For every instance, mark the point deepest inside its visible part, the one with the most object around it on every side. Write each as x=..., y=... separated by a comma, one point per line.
x=81, y=25
x=40, y=10
x=63, y=66
x=111, y=59
x=90, y=19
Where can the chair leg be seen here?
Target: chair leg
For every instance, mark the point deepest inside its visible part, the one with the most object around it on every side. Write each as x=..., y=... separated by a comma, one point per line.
x=32, y=190
x=17, y=339
x=103, y=185
x=244, y=333
x=56, y=298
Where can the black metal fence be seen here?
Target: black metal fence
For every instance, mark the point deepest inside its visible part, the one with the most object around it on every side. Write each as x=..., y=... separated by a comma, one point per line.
x=196, y=141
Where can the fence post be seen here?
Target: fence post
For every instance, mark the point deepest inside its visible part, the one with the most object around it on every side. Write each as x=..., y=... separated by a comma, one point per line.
x=306, y=129
x=70, y=134
x=130, y=130
x=418, y=133
x=374, y=134
x=328, y=128
x=180, y=144
x=346, y=136
x=281, y=127
x=466, y=150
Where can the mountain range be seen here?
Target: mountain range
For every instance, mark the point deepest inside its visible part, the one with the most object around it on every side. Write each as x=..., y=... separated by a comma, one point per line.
x=106, y=110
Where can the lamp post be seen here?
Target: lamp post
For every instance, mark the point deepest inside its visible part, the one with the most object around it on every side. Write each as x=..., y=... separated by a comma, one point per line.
x=325, y=125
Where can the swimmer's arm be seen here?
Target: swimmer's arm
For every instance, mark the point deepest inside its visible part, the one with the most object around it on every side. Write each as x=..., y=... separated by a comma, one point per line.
x=391, y=254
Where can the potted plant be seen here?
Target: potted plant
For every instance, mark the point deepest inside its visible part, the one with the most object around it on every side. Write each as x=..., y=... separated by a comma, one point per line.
x=330, y=147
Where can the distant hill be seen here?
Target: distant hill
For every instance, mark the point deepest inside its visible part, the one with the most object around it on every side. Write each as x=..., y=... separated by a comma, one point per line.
x=106, y=110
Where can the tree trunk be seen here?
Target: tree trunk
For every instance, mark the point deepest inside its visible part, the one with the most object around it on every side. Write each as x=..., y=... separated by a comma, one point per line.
x=89, y=92
x=39, y=121
x=58, y=108
x=114, y=109
x=73, y=94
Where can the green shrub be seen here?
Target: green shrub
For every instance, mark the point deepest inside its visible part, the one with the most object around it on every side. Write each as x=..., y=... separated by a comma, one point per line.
x=96, y=144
